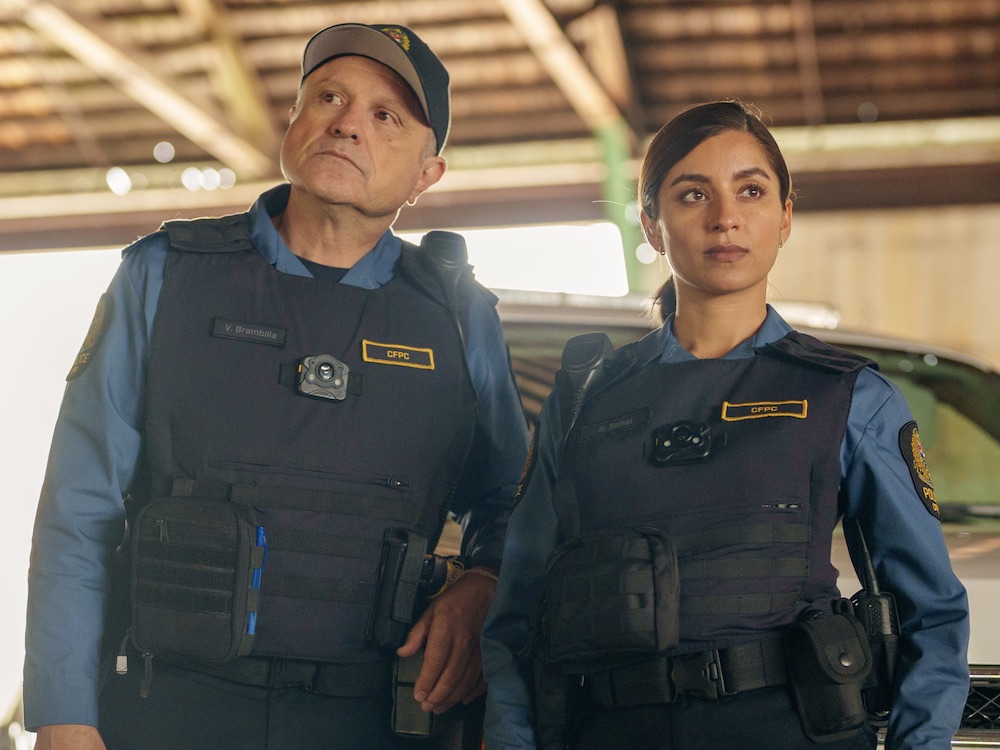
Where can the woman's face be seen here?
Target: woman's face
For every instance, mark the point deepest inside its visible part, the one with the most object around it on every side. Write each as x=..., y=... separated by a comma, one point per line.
x=721, y=218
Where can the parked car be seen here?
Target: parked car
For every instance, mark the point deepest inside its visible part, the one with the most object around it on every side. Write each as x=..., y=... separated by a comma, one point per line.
x=955, y=399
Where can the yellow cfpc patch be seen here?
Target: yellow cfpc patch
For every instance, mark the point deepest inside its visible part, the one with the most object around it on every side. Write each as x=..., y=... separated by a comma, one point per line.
x=761, y=409
x=397, y=354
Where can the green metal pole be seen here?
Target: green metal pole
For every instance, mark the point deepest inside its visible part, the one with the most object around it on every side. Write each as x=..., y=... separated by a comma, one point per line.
x=619, y=198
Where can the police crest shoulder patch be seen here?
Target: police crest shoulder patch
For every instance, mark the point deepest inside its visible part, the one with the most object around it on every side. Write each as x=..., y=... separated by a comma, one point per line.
x=916, y=462
x=98, y=327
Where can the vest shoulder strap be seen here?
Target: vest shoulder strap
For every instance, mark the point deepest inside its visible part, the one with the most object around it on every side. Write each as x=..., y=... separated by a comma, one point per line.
x=589, y=364
x=439, y=269
x=805, y=349
x=222, y=234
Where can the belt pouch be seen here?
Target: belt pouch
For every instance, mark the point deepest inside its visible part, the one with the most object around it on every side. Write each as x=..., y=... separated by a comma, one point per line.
x=607, y=597
x=828, y=658
x=195, y=578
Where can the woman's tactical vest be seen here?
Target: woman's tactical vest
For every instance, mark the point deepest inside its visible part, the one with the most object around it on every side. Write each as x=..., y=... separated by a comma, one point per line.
x=737, y=462
x=247, y=392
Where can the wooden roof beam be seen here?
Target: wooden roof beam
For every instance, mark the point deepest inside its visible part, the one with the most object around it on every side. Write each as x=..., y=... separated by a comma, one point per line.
x=130, y=70
x=559, y=57
x=233, y=82
x=805, y=45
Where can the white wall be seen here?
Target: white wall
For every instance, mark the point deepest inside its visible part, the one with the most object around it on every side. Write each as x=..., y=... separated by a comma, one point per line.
x=46, y=304
x=930, y=275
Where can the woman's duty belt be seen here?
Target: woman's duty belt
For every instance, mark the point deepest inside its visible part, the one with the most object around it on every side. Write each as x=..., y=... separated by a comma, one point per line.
x=706, y=674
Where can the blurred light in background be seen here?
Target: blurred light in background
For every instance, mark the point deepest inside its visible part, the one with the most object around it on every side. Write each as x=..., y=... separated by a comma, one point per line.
x=118, y=181
x=572, y=258
x=164, y=152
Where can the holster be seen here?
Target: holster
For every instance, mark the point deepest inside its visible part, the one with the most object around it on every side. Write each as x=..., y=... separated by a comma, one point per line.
x=828, y=659
x=397, y=588
x=193, y=589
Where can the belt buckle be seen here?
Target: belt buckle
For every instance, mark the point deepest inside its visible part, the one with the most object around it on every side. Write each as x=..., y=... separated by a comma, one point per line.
x=699, y=675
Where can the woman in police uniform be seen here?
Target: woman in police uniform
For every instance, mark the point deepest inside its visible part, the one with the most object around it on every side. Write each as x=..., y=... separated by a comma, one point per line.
x=668, y=563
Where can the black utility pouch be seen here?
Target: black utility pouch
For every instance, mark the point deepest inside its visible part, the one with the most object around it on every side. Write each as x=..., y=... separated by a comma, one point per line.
x=828, y=658
x=195, y=578
x=608, y=596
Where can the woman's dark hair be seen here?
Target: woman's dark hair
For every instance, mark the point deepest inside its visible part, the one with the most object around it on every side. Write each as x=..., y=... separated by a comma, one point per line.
x=681, y=136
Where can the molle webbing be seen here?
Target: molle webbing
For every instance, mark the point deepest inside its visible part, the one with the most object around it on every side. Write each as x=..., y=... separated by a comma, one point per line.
x=207, y=589
x=319, y=543
x=296, y=498
x=696, y=542
x=738, y=604
x=745, y=568
x=306, y=541
x=322, y=589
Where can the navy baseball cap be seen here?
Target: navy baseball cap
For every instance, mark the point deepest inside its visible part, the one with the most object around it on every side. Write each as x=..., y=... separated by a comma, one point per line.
x=398, y=48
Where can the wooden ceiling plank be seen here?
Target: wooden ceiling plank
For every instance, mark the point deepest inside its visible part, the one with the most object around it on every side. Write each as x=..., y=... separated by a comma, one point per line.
x=124, y=68
x=235, y=84
x=562, y=61
x=604, y=49
x=805, y=45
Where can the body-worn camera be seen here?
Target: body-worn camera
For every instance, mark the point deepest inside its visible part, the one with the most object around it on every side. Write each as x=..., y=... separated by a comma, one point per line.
x=681, y=443
x=323, y=376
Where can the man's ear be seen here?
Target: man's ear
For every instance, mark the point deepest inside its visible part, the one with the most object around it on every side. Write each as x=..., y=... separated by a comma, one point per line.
x=433, y=169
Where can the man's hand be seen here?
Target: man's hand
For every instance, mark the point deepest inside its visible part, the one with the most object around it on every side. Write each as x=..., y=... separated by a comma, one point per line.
x=68, y=737
x=449, y=633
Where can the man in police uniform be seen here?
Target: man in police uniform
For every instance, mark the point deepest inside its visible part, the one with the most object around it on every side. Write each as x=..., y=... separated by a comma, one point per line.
x=301, y=371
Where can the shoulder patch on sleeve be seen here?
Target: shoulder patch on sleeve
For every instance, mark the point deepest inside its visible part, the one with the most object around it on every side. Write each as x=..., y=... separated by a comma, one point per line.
x=916, y=462
x=98, y=326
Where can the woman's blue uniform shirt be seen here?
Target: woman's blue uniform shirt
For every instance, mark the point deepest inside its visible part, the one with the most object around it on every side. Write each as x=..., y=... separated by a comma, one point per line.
x=905, y=540
x=96, y=451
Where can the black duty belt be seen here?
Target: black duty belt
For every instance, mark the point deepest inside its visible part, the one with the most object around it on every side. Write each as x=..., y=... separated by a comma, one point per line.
x=341, y=680
x=707, y=674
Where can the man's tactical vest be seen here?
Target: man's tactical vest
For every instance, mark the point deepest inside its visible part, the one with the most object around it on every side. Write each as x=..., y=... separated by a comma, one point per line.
x=738, y=462
x=326, y=477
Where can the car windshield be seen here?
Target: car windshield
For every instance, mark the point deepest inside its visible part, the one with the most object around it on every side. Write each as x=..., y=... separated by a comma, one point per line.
x=957, y=408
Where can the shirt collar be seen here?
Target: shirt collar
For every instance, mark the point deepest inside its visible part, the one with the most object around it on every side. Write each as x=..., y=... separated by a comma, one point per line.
x=374, y=269
x=773, y=328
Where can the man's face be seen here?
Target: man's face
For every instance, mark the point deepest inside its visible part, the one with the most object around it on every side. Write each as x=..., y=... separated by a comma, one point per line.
x=358, y=138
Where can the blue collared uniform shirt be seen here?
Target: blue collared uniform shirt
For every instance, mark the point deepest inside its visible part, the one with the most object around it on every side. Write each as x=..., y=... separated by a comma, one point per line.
x=96, y=451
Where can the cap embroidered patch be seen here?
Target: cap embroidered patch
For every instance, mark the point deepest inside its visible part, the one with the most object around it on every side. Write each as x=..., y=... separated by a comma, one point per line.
x=98, y=326
x=916, y=461
x=397, y=354
x=760, y=409
x=398, y=35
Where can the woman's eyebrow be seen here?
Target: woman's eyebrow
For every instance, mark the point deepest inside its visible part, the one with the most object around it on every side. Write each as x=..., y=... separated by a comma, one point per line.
x=741, y=175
